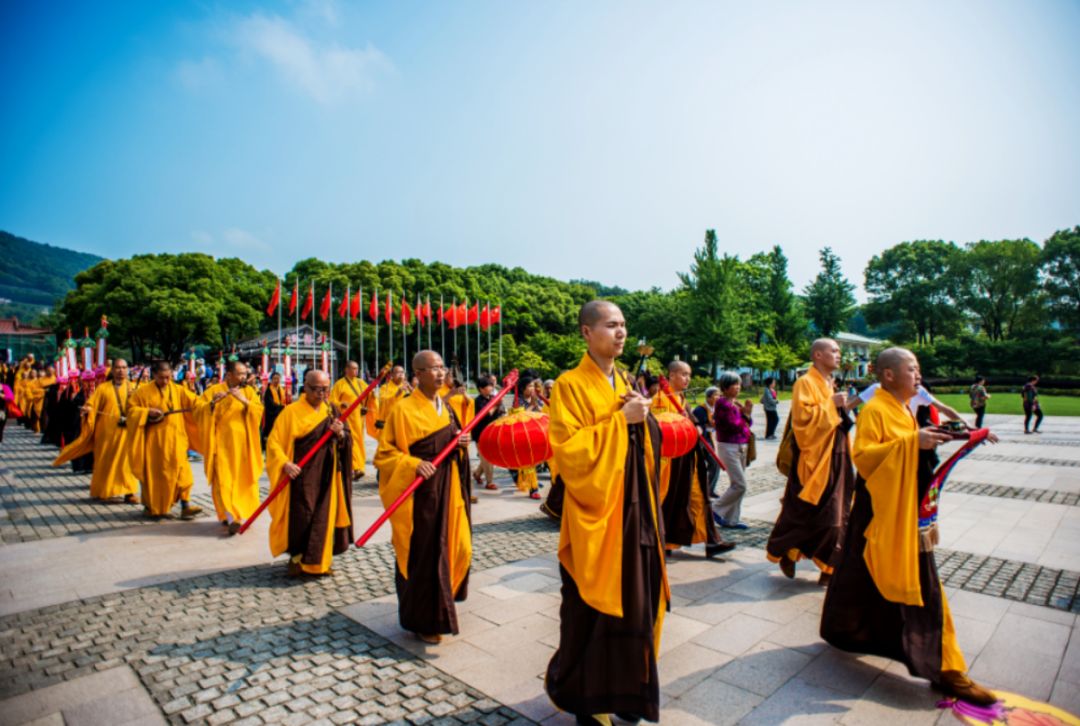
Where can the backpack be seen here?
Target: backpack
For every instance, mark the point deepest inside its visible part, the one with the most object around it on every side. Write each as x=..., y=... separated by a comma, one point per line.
x=785, y=454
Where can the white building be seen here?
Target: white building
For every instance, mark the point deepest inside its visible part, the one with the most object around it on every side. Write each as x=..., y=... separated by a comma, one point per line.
x=858, y=346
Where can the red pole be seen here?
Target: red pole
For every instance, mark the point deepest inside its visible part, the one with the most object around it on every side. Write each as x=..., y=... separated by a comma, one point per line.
x=318, y=445
x=666, y=388
x=509, y=382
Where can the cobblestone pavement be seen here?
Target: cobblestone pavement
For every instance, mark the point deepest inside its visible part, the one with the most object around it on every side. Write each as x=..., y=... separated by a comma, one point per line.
x=1009, y=579
x=252, y=646
x=1048, y=496
x=1025, y=459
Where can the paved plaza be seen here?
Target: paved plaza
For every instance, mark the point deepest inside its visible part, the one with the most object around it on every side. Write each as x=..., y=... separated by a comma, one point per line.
x=107, y=618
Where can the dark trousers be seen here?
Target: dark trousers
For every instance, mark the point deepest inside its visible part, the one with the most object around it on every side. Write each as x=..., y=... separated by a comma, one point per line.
x=1028, y=413
x=772, y=419
x=980, y=411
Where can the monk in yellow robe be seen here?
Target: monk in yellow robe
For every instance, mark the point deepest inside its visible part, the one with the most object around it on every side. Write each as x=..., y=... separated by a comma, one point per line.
x=311, y=518
x=684, y=490
x=274, y=402
x=35, y=394
x=345, y=391
x=885, y=597
x=228, y=416
x=606, y=448
x=393, y=390
x=432, y=533
x=159, y=419
x=817, y=498
x=106, y=435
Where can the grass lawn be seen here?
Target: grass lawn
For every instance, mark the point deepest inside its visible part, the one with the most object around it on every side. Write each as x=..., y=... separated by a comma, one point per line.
x=1009, y=403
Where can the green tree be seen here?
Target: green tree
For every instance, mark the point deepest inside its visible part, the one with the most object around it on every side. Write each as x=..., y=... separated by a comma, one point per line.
x=912, y=283
x=998, y=282
x=1061, y=264
x=715, y=306
x=829, y=300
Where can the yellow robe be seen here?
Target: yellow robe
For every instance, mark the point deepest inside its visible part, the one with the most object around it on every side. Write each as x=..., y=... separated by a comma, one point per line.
x=590, y=440
x=413, y=419
x=662, y=404
x=232, y=451
x=389, y=394
x=886, y=455
x=296, y=421
x=159, y=450
x=102, y=434
x=37, y=397
x=342, y=396
x=813, y=421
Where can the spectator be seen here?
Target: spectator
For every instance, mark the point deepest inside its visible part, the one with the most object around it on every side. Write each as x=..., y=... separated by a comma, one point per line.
x=1030, y=396
x=703, y=418
x=978, y=396
x=769, y=402
x=732, y=423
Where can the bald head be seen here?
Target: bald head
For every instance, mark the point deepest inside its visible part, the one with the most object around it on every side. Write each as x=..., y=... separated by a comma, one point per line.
x=825, y=355
x=316, y=378
x=426, y=359
x=676, y=366
x=892, y=359
x=594, y=312
x=429, y=371
x=679, y=375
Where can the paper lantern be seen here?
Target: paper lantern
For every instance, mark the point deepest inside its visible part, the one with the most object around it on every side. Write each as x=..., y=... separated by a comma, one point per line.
x=516, y=441
x=677, y=434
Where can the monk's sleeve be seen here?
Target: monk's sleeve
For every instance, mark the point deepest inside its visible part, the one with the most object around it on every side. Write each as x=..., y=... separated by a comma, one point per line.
x=279, y=451
x=813, y=421
x=84, y=444
x=590, y=455
x=886, y=454
x=204, y=428
x=397, y=468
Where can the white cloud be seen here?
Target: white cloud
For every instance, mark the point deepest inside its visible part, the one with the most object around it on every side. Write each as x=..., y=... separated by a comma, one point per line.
x=228, y=242
x=324, y=70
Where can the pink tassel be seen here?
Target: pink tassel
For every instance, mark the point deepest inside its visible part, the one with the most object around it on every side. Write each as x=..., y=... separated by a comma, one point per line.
x=983, y=714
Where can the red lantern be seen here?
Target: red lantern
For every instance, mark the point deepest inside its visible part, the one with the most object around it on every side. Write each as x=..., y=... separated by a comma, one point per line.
x=516, y=441
x=677, y=434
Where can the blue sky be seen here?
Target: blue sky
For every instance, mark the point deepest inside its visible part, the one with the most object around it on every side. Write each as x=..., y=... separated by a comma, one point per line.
x=575, y=139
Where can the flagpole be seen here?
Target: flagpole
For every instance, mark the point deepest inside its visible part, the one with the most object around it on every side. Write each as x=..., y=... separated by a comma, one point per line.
x=442, y=326
x=296, y=333
x=454, y=352
x=278, y=328
x=500, y=340
x=427, y=312
x=488, y=306
x=404, y=336
x=330, y=291
x=419, y=326
x=479, y=358
x=348, y=322
x=376, y=326
x=363, y=363
x=390, y=324
x=314, y=331
x=468, y=358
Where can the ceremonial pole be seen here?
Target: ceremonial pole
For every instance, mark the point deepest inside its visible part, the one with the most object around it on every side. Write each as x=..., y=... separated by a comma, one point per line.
x=479, y=358
x=419, y=323
x=490, y=367
x=454, y=356
x=468, y=358
x=330, y=292
x=363, y=363
x=427, y=312
x=390, y=321
x=314, y=449
x=500, y=339
x=442, y=326
x=377, y=326
x=348, y=323
x=510, y=382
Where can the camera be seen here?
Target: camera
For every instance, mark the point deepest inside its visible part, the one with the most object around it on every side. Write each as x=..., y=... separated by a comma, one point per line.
x=122, y=423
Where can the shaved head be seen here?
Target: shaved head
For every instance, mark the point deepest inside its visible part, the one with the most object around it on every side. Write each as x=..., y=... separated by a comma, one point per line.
x=825, y=353
x=821, y=344
x=595, y=311
x=316, y=378
x=677, y=365
x=891, y=359
x=426, y=359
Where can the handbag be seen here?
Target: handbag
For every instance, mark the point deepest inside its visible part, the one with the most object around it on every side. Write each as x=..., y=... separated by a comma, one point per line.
x=785, y=454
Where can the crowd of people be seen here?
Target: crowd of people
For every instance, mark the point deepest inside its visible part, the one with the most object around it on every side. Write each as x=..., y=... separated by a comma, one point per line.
x=850, y=506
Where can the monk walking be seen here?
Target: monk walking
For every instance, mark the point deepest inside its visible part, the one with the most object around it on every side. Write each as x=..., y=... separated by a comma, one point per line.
x=432, y=533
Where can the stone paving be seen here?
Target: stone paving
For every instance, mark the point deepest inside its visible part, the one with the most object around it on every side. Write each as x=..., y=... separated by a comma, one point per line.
x=247, y=645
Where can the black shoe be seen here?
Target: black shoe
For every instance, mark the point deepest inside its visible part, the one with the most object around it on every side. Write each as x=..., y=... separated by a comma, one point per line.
x=712, y=550
x=234, y=528
x=628, y=717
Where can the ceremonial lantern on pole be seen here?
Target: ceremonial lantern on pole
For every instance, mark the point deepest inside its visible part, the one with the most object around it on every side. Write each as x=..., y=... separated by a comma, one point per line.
x=677, y=434
x=516, y=441
x=265, y=374
x=102, y=338
x=325, y=349
x=88, y=352
x=221, y=365
x=287, y=354
x=191, y=366
x=61, y=366
x=69, y=348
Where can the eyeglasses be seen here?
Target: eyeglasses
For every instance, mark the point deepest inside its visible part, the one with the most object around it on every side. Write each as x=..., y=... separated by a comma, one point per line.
x=317, y=389
x=433, y=369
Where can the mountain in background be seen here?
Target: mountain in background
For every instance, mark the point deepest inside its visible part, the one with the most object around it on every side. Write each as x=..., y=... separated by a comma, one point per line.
x=35, y=276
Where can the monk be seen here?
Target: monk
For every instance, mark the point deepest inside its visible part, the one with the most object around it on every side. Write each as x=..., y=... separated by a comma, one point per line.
x=885, y=597
x=432, y=533
x=345, y=391
x=393, y=390
x=614, y=587
x=684, y=481
x=228, y=416
x=274, y=400
x=311, y=518
x=159, y=419
x=106, y=435
x=817, y=498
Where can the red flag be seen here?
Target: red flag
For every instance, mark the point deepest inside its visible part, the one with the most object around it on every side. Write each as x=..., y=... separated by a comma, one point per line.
x=427, y=310
x=373, y=308
x=343, y=306
x=485, y=317
x=275, y=299
x=496, y=314
x=294, y=298
x=419, y=312
x=451, y=316
x=474, y=313
x=440, y=314
x=324, y=309
x=389, y=309
x=461, y=315
x=406, y=312
x=355, y=305
x=309, y=302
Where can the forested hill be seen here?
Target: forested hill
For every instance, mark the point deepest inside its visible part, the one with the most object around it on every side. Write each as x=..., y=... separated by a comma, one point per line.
x=36, y=275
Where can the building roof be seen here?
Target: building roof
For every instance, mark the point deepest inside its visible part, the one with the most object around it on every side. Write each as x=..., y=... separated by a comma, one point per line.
x=12, y=326
x=856, y=338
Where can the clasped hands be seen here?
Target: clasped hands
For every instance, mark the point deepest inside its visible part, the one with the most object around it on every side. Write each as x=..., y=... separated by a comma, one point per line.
x=234, y=392
x=426, y=469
